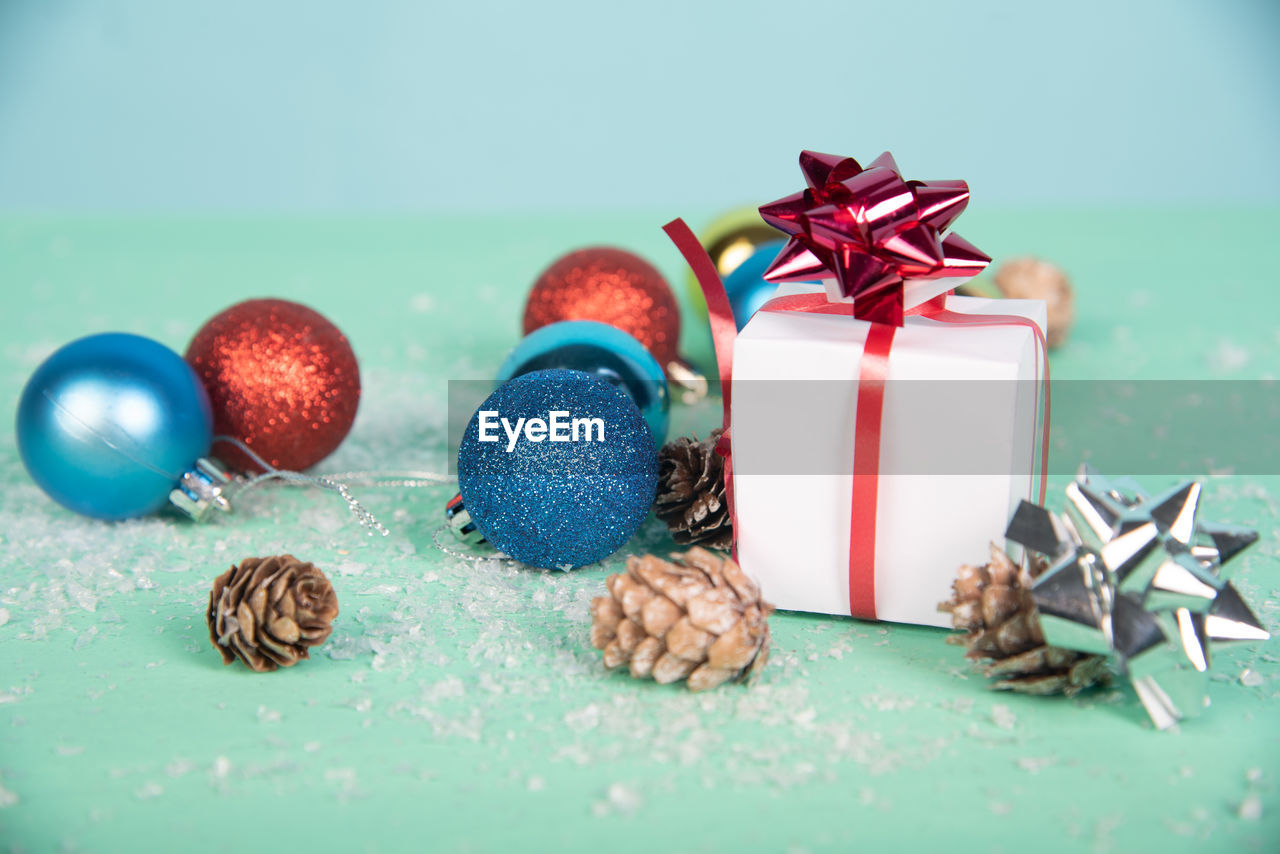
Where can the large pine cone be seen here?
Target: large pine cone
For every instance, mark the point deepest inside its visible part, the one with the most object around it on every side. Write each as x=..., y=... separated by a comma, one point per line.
x=691, y=493
x=268, y=611
x=697, y=616
x=992, y=603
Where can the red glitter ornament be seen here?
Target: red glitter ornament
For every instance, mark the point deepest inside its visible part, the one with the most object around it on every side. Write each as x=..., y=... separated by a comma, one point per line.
x=611, y=286
x=282, y=379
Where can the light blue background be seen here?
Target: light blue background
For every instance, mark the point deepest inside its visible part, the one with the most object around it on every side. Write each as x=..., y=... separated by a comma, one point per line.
x=156, y=105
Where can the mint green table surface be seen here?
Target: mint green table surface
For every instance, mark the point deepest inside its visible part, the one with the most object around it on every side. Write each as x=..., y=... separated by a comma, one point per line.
x=459, y=706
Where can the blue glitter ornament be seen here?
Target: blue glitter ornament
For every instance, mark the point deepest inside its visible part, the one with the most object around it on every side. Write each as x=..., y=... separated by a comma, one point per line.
x=599, y=349
x=558, y=503
x=745, y=286
x=110, y=424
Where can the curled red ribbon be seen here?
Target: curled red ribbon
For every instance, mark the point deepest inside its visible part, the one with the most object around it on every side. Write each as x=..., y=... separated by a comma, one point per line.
x=723, y=330
x=873, y=370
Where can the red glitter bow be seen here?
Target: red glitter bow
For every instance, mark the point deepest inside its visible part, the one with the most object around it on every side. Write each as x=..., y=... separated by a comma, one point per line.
x=871, y=230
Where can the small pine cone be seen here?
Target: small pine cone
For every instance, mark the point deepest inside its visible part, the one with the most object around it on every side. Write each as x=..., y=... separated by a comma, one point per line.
x=696, y=617
x=992, y=604
x=1032, y=278
x=268, y=611
x=691, y=493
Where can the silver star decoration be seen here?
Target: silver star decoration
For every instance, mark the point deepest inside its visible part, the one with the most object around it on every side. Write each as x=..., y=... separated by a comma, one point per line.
x=1139, y=577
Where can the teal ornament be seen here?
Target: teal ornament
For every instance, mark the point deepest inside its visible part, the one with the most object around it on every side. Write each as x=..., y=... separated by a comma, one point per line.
x=109, y=426
x=557, y=503
x=604, y=351
x=745, y=286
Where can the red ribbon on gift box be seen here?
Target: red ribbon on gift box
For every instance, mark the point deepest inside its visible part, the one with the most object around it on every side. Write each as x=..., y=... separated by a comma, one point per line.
x=873, y=370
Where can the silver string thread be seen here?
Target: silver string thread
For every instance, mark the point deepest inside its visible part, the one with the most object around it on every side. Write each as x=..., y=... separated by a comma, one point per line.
x=470, y=558
x=339, y=483
x=392, y=479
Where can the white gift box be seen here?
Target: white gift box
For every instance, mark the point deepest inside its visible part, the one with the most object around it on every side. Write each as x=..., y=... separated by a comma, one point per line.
x=955, y=452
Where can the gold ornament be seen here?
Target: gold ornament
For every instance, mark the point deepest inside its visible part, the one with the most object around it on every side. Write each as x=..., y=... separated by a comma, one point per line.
x=730, y=240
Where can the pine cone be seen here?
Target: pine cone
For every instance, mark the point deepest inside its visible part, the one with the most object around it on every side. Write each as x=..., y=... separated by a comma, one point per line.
x=1031, y=278
x=697, y=616
x=691, y=492
x=268, y=611
x=993, y=604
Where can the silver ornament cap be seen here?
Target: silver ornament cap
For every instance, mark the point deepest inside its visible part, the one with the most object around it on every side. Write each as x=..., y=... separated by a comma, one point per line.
x=461, y=523
x=204, y=487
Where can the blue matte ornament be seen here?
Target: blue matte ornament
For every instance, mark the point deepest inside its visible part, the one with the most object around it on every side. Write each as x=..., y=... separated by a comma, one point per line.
x=558, y=504
x=745, y=286
x=604, y=351
x=110, y=425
